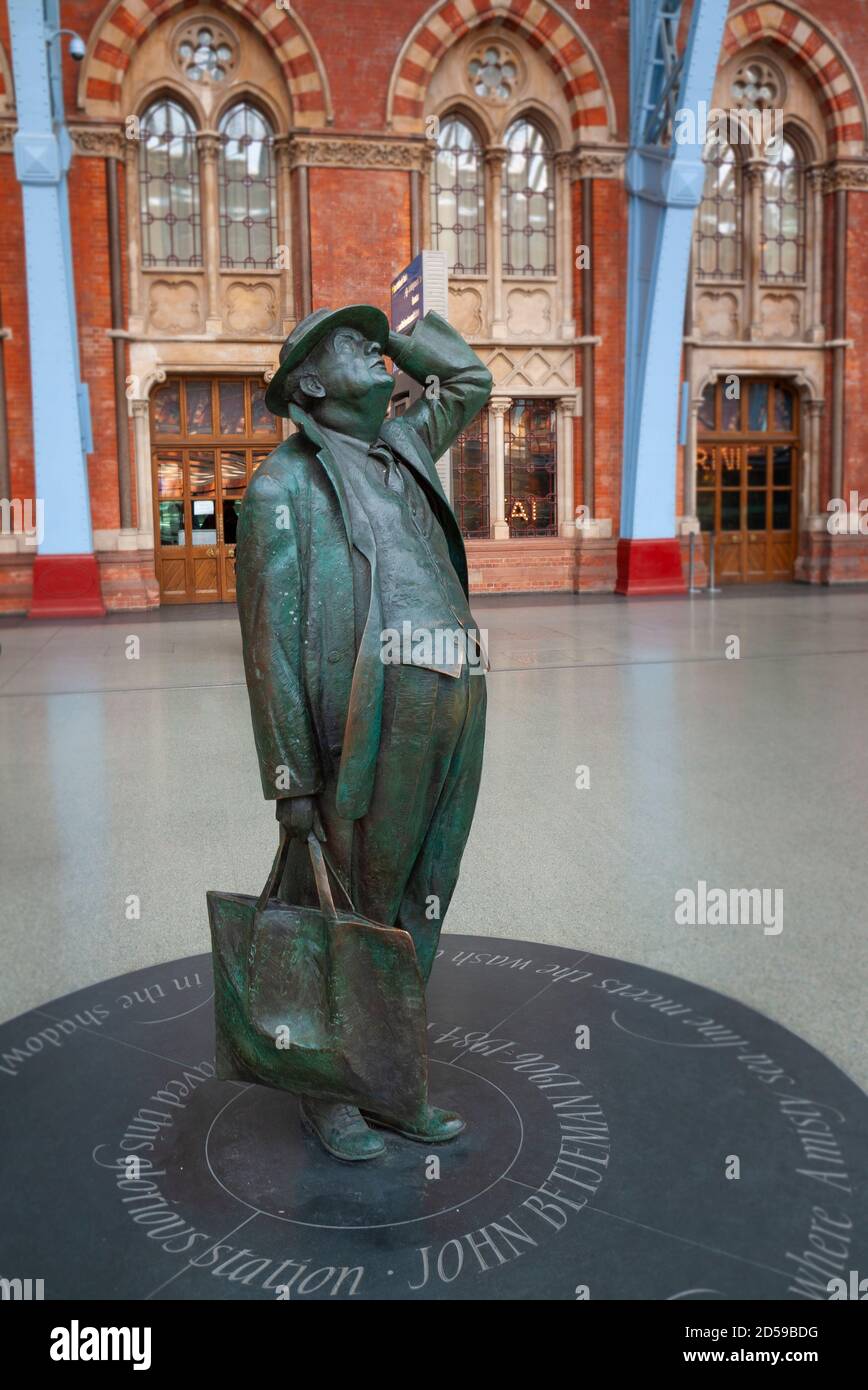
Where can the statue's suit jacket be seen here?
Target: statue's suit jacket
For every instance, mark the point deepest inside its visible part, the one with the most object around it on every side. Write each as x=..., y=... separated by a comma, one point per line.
x=316, y=701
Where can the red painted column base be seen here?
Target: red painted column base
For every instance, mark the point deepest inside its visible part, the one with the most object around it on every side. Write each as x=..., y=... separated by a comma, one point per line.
x=66, y=586
x=649, y=567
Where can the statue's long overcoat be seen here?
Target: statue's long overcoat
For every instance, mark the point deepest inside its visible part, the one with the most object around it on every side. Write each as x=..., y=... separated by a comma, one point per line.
x=317, y=701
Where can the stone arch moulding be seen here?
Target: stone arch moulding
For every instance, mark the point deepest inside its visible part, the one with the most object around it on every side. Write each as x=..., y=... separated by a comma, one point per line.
x=250, y=95
x=171, y=90
x=543, y=24
x=124, y=23
x=812, y=400
x=460, y=109
x=811, y=138
x=808, y=140
x=842, y=100
x=798, y=375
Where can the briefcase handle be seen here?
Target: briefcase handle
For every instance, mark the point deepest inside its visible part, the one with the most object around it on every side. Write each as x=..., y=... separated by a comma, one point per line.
x=320, y=873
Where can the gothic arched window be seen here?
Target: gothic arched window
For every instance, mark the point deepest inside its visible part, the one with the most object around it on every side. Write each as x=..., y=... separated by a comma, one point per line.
x=248, y=195
x=169, y=187
x=458, y=198
x=783, y=212
x=719, y=223
x=528, y=202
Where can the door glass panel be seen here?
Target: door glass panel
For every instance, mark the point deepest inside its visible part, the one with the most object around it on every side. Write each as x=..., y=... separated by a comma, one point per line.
x=263, y=420
x=730, y=465
x=756, y=511
x=730, y=511
x=208, y=434
x=747, y=468
x=167, y=409
x=758, y=406
x=233, y=469
x=783, y=466
x=231, y=407
x=201, y=468
x=531, y=469
x=784, y=409
x=204, y=531
x=705, y=459
x=730, y=412
x=170, y=474
x=757, y=472
x=198, y=395
x=231, y=513
x=782, y=511
x=172, y=523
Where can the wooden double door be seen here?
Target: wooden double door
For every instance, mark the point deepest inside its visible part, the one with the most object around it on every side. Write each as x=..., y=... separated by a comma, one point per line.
x=747, y=467
x=208, y=436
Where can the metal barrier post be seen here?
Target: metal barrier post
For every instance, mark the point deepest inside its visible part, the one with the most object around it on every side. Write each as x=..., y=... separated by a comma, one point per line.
x=712, y=587
x=691, y=570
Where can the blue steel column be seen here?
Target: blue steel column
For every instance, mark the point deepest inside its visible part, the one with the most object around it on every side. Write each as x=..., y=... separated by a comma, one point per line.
x=665, y=186
x=65, y=574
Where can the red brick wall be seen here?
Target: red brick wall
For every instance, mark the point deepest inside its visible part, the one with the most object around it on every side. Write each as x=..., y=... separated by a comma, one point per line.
x=828, y=320
x=82, y=16
x=13, y=291
x=16, y=350
x=89, y=216
x=359, y=41
x=856, y=377
x=610, y=306
x=360, y=234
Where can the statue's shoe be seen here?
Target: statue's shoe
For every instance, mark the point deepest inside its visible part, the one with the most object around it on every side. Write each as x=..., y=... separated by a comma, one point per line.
x=433, y=1127
x=341, y=1130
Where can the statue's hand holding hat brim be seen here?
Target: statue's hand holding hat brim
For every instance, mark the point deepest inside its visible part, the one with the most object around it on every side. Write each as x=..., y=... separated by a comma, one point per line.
x=311, y=331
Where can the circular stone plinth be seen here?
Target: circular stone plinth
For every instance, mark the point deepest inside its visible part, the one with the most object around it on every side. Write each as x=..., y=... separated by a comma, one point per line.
x=629, y=1135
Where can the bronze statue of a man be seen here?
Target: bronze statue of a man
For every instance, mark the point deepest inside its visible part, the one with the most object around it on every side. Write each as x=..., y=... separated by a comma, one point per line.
x=346, y=537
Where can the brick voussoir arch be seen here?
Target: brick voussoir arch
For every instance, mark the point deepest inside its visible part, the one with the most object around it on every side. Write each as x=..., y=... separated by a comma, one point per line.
x=542, y=23
x=808, y=44
x=125, y=23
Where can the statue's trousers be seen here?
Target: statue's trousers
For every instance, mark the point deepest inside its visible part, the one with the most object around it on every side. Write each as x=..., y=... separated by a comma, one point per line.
x=399, y=862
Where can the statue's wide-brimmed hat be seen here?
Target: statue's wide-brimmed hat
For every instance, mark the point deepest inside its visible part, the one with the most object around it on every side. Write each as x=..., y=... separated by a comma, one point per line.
x=305, y=336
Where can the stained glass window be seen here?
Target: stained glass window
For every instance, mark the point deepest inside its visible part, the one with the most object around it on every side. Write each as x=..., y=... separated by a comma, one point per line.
x=528, y=202
x=169, y=187
x=248, y=195
x=458, y=198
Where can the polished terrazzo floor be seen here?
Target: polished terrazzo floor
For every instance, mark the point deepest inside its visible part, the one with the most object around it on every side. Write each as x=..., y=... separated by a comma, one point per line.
x=126, y=776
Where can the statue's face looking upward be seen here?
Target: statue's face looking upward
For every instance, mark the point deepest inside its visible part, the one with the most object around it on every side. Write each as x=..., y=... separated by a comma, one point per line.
x=347, y=367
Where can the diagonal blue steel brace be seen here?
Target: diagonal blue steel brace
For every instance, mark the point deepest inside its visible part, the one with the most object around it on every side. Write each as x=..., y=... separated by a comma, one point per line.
x=65, y=570
x=664, y=180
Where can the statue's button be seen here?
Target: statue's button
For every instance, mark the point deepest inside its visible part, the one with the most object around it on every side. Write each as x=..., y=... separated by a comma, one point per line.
x=334, y=658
